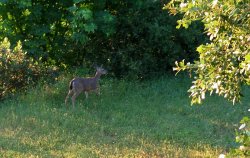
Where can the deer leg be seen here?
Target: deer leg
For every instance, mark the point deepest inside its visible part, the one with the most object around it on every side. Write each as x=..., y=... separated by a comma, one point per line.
x=73, y=98
x=67, y=97
x=97, y=91
x=87, y=95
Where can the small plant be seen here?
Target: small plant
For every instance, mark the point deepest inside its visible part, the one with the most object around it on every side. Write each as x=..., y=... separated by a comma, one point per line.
x=243, y=138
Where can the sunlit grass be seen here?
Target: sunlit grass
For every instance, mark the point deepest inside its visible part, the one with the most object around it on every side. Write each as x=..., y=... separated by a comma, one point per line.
x=129, y=119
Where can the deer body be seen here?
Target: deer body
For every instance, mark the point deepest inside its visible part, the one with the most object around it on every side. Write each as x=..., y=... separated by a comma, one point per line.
x=79, y=85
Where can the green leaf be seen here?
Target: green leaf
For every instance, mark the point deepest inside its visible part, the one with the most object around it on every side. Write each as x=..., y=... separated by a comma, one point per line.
x=182, y=64
x=86, y=14
x=200, y=49
x=247, y=58
x=90, y=27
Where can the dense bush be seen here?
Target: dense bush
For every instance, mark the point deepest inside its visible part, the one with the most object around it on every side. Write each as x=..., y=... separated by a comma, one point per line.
x=145, y=42
x=16, y=69
x=131, y=38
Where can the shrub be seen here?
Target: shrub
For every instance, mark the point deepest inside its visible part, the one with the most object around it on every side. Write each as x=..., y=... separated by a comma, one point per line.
x=145, y=42
x=16, y=69
x=243, y=138
x=135, y=39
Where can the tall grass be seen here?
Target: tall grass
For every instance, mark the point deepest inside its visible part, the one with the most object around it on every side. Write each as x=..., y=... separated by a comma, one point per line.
x=130, y=119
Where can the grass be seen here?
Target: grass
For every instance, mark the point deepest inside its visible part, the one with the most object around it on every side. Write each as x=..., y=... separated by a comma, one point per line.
x=130, y=119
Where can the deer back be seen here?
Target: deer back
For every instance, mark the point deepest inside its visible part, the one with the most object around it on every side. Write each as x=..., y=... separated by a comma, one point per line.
x=84, y=84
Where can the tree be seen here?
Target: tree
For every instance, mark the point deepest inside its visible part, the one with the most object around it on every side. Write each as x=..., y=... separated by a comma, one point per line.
x=224, y=63
x=50, y=29
x=132, y=38
x=41, y=26
x=145, y=42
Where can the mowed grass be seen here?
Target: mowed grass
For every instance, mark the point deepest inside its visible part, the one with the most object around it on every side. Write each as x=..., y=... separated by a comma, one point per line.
x=130, y=119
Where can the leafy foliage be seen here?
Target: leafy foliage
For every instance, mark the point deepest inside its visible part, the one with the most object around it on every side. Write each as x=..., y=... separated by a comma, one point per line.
x=88, y=18
x=132, y=38
x=42, y=26
x=243, y=138
x=224, y=63
x=145, y=41
x=53, y=30
x=16, y=69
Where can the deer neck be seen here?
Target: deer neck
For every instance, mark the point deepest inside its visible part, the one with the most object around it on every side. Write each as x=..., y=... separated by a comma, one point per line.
x=97, y=76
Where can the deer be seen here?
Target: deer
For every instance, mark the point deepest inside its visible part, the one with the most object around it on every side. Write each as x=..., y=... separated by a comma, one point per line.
x=86, y=85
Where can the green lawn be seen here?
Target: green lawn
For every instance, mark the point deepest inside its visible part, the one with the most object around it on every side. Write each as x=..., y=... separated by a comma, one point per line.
x=129, y=119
